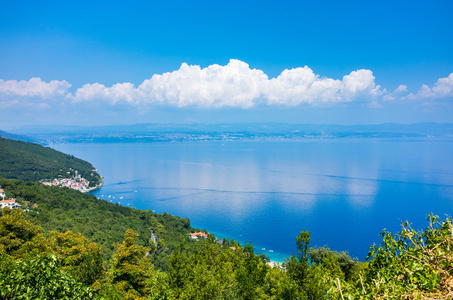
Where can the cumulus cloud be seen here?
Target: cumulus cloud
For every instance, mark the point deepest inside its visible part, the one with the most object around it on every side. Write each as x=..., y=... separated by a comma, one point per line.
x=400, y=89
x=236, y=85
x=302, y=85
x=396, y=94
x=215, y=86
x=120, y=92
x=231, y=85
x=443, y=88
x=34, y=87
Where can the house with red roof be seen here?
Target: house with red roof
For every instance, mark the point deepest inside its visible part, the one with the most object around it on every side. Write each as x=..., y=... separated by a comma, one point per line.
x=11, y=203
x=195, y=235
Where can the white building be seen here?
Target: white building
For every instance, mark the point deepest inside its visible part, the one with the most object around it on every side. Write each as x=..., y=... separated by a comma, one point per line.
x=2, y=194
x=11, y=203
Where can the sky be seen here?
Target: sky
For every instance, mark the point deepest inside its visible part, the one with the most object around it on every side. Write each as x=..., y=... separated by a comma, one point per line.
x=310, y=62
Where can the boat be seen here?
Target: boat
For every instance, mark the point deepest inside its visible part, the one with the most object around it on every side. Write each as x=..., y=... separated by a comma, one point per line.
x=263, y=249
x=271, y=251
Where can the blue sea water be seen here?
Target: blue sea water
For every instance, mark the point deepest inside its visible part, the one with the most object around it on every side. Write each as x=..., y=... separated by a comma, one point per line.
x=344, y=191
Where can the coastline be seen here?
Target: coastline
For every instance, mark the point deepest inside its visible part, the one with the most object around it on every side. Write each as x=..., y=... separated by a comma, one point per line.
x=96, y=187
x=274, y=256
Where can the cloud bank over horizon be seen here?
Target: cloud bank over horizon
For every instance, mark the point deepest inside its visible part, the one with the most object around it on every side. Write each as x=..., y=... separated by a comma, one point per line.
x=233, y=85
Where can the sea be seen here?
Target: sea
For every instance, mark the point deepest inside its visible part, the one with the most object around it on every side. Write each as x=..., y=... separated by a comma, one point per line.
x=344, y=191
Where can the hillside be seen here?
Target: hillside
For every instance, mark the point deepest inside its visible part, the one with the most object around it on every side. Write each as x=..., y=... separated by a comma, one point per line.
x=32, y=162
x=61, y=209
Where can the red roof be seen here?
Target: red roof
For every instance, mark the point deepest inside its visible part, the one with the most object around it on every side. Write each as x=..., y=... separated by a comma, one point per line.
x=8, y=201
x=198, y=234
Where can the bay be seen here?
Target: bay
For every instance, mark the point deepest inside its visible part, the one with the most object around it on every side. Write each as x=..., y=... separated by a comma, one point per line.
x=344, y=191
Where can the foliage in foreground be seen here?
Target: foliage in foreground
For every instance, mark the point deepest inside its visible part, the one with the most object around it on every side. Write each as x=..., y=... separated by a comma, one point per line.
x=407, y=265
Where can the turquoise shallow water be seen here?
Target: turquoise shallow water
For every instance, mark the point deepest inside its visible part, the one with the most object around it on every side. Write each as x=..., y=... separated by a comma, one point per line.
x=343, y=191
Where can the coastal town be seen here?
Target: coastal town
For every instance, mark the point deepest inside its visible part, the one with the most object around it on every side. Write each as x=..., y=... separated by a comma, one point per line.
x=76, y=182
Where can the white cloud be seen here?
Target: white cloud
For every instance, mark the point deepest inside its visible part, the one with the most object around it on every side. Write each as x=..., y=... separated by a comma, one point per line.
x=302, y=85
x=400, y=89
x=359, y=83
x=443, y=88
x=236, y=85
x=232, y=85
x=34, y=87
x=215, y=86
x=396, y=95
x=120, y=92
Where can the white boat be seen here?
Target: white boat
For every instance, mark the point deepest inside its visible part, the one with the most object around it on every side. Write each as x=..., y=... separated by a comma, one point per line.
x=263, y=249
x=271, y=251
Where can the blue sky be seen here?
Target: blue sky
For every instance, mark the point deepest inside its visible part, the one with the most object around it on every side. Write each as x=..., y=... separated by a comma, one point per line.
x=115, y=62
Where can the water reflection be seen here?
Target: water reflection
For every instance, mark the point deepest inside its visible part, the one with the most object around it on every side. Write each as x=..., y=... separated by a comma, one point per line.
x=344, y=192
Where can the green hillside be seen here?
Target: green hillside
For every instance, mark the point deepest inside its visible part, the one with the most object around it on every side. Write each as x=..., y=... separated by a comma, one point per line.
x=61, y=209
x=32, y=162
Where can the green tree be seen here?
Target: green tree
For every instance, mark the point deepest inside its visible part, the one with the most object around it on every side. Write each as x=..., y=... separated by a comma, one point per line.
x=131, y=269
x=80, y=257
x=38, y=277
x=19, y=237
x=298, y=268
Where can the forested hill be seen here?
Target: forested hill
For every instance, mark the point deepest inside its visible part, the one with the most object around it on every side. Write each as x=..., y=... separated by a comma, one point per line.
x=61, y=209
x=32, y=162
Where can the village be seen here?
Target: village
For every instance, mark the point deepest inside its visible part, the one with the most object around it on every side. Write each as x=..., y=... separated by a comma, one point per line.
x=77, y=183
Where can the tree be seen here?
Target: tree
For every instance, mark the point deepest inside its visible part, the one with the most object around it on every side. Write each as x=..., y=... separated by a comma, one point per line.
x=38, y=277
x=251, y=275
x=298, y=268
x=80, y=257
x=131, y=269
x=19, y=237
x=329, y=259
